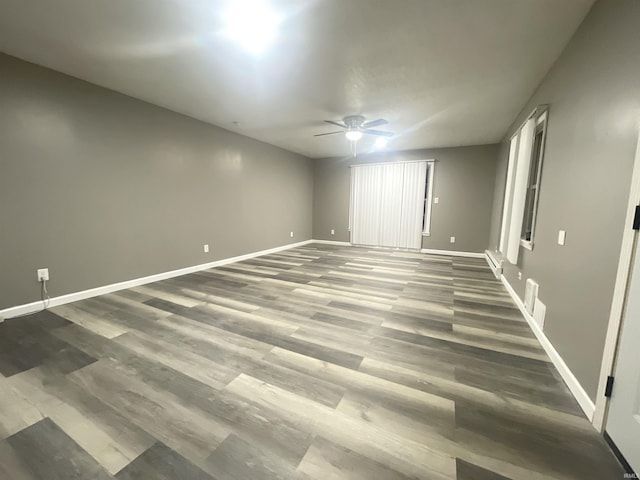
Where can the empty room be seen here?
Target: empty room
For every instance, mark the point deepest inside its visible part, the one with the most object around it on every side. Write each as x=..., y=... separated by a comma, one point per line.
x=319, y=239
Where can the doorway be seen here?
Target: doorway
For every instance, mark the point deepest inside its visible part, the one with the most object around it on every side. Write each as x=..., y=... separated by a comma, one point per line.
x=619, y=415
x=623, y=421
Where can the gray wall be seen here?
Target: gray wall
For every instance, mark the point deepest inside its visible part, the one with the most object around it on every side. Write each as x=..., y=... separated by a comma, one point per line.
x=102, y=188
x=594, y=95
x=464, y=182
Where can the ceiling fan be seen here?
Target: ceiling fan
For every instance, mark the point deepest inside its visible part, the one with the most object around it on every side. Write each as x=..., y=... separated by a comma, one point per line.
x=354, y=127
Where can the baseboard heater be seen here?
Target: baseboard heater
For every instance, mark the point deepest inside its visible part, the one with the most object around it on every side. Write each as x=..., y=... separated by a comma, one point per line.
x=494, y=263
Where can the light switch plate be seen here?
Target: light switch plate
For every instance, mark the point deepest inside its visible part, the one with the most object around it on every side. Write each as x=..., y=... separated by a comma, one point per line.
x=562, y=235
x=436, y=199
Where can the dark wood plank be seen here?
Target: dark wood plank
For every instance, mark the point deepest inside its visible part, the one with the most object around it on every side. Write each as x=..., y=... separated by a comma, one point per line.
x=162, y=463
x=469, y=471
x=44, y=451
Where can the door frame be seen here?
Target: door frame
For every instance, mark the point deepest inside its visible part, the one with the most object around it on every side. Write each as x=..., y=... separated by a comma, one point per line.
x=616, y=313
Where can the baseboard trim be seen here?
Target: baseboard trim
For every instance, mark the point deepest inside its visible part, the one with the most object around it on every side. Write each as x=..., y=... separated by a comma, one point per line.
x=431, y=251
x=587, y=405
x=114, y=287
x=331, y=242
x=452, y=253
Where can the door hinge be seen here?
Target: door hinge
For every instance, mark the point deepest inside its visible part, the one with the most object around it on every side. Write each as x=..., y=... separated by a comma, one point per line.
x=636, y=218
x=609, y=388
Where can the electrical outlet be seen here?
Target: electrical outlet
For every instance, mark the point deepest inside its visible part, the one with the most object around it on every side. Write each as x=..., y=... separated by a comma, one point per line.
x=452, y=240
x=519, y=275
x=43, y=274
x=333, y=232
x=436, y=200
x=206, y=248
x=291, y=234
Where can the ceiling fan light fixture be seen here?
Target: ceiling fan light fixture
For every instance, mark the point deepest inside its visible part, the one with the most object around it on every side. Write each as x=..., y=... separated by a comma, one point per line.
x=354, y=135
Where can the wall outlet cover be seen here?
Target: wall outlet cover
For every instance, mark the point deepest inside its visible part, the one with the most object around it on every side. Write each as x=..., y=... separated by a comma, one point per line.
x=43, y=274
x=452, y=240
x=206, y=249
x=333, y=232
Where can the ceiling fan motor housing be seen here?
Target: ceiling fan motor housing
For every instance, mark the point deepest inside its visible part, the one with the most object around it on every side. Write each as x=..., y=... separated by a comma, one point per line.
x=354, y=121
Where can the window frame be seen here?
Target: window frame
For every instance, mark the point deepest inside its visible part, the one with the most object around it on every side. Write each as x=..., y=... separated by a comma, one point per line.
x=541, y=125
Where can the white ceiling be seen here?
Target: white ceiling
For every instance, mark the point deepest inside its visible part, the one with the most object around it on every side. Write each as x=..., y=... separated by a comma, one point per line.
x=442, y=72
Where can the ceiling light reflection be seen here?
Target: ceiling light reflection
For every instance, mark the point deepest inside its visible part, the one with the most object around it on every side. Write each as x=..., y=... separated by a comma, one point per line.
x=252, y=24
x=381, y=142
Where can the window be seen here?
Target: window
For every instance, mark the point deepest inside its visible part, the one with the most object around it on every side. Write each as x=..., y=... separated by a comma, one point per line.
x=523, y=185
x=533, y=184
x=428, y=201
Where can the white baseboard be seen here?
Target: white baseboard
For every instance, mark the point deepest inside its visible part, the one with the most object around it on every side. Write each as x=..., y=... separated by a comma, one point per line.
x=452, y=253
x=587, y=405
x=114, y=287
x=331, y=242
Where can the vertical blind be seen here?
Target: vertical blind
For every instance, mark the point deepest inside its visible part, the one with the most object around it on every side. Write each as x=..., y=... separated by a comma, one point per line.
x=387, y=204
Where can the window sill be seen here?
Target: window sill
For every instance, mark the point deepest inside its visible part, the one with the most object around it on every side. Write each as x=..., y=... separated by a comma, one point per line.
x=526, y=244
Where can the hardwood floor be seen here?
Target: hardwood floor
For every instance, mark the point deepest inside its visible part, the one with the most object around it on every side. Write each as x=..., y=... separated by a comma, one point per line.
x=319, y=362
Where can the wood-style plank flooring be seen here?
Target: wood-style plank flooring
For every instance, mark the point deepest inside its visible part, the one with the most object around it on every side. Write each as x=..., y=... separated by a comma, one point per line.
x=315, y=363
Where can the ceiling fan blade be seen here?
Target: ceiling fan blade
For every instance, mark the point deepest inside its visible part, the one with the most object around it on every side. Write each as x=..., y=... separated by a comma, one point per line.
x=336, y=123
x=375, y=123
x=378, y=132
x=330, y=133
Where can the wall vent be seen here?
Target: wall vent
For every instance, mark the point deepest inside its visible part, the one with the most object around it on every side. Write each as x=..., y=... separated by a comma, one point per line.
x=539, y=312
x=530, y=295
